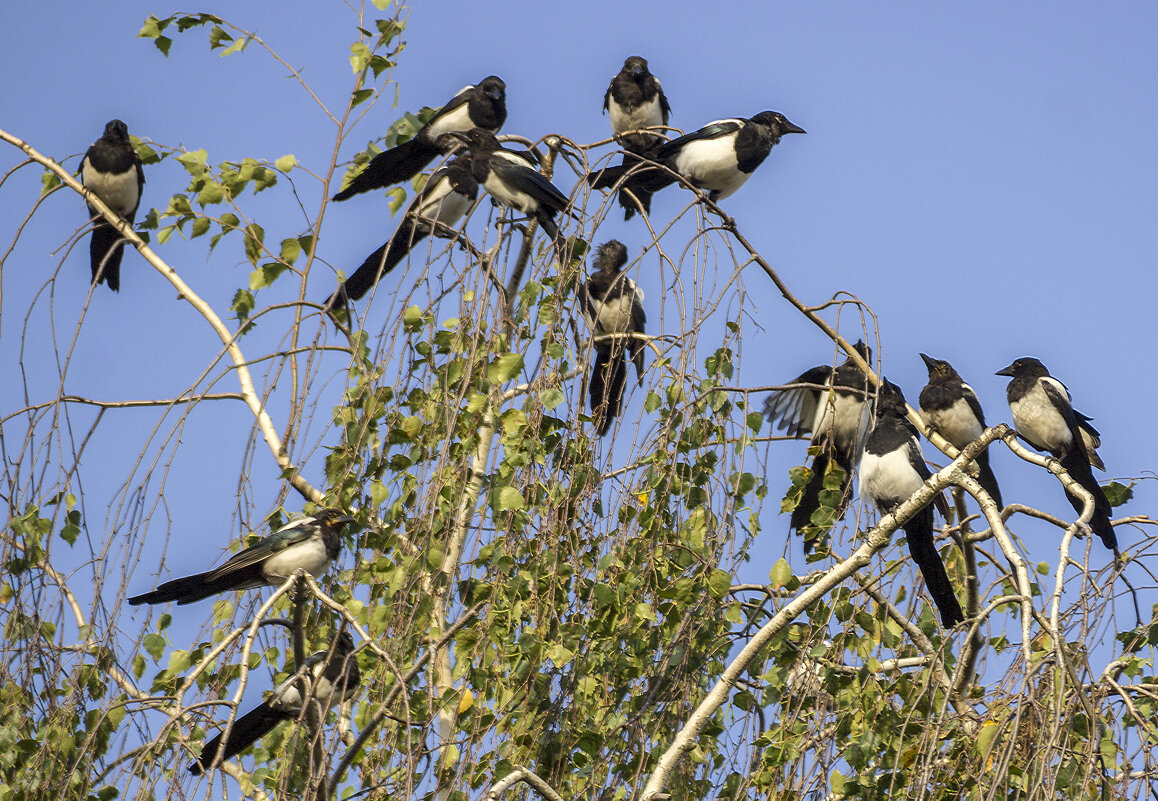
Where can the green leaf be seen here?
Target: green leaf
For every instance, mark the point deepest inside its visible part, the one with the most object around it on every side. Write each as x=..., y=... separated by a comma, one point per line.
x=155, y=645
x=254, y=239
x=719, y=582
x=236, y=47
x=1118, y=494
x=504, y=368
x=48, y=181
x=551, y=398
x=781, y=573
x=286, y=163
x=506, y=499
x=985, y=737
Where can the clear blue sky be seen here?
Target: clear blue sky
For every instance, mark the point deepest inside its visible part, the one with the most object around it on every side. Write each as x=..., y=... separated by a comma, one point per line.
x=981, y=175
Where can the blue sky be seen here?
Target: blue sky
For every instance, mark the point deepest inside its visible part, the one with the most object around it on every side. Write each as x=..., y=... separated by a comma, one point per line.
x=981, y=175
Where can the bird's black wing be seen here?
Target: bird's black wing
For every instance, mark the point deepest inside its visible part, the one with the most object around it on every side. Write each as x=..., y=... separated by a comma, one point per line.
x=529, y=182
x=710, y=131
x=246, y=730
x=794, y=410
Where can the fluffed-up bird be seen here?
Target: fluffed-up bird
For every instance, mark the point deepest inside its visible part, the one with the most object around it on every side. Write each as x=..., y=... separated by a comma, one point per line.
x=111, y=170
x=333, y=678
x=950, y=407
x=892, y=469
x=836, y=418
x=483, y=105
x=507, y=176
x=310, y=543
x=635, y=101
x=444, y=199
x=612, y=304
x=719, y=158
x=1044, y=415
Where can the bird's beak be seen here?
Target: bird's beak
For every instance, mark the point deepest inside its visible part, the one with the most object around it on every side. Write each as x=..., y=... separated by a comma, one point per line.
x=789, y=127
x=1006, y=371
x=343, y=520
x=929, y=361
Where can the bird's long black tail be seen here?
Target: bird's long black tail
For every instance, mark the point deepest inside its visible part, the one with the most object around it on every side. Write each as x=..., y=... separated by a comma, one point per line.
x=183, y=590
x=391, y=167
x=247, y=729
x=919, y=534
x=642, y=185
x=987, y=480
x=106, y=249
x=1077, y=465
x=810, y=497
x=608, y=379
x=377, y=264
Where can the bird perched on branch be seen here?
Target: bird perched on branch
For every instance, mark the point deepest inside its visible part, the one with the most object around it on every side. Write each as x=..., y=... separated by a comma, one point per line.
x=1044, y=415
x=612, y=304
x=333, y=677
x=310, y=543
x=507, y=176
x=719, y=158
x=444, y=199
x=892, y=469
x=836, y=417
x=950, y=407
x=111, y=170
x=483, y=105
x=635, y=100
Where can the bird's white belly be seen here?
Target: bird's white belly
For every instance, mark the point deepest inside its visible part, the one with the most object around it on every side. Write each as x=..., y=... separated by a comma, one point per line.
x=888, y=479
x=957, y=424
x=1038, y=420
x=646, y=116
x=711, y=164
x=119, y=190
x=309, y=555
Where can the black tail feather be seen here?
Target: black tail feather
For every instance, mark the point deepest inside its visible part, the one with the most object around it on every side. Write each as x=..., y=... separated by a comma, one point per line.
x=106, y=249
x=608, y=379
x=919, y=534
x=377, y=264
x=1077, y=465
x=189, y=589
x=246, y=730
x=810, y=496
x=391, y=167
x=987, y=480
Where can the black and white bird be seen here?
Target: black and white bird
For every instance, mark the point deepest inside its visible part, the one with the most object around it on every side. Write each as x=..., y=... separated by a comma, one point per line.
x=1044, y=415
x=509, y=178
x=950, y=407
x=483, y=105
x=719, y=158
x=111, y=170
x=836, y=418
x=333, y=678
x=310, y=543
x=635, y=101
x=892, y=469
x=612, y=304
x=443, y=200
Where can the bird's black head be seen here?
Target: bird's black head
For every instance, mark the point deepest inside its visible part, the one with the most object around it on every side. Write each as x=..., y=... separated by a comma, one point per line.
x=493, y=87
x=635, y=66
x=939, y=369
x=890, y=399
x=610, y=256
x=344, y=643
x=476, y=137
x=864, y=350
x=777, y=122
x=116, y=131
x=332, y=518
x=1025, y=366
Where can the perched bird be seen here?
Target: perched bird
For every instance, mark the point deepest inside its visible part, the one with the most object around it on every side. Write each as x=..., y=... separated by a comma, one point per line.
x=635, y=100
x=444, y=198
x=1043, y=414
x=509, y=178
x=111, y=170
x=612, y=304
x=891, y=470
x=310, y=543
x=836, y=418
x=483, y=105
x=950, y=407
x=720, y=157
x=333, y=678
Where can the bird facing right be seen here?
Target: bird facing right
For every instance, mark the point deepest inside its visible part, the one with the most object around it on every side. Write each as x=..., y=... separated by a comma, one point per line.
x=1044, y=415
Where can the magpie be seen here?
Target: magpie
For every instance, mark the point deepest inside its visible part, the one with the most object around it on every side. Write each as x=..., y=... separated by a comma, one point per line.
x=635, y=100
x=444, y=199
x=891, y=470
x=950, y=407
x=333, y=678
x=1043, y=414
x=483, y=105
x=111, y=170
x=509, y=178
x=612, y=304
x=720, y=157
x=836, y=418
x=310, y=543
